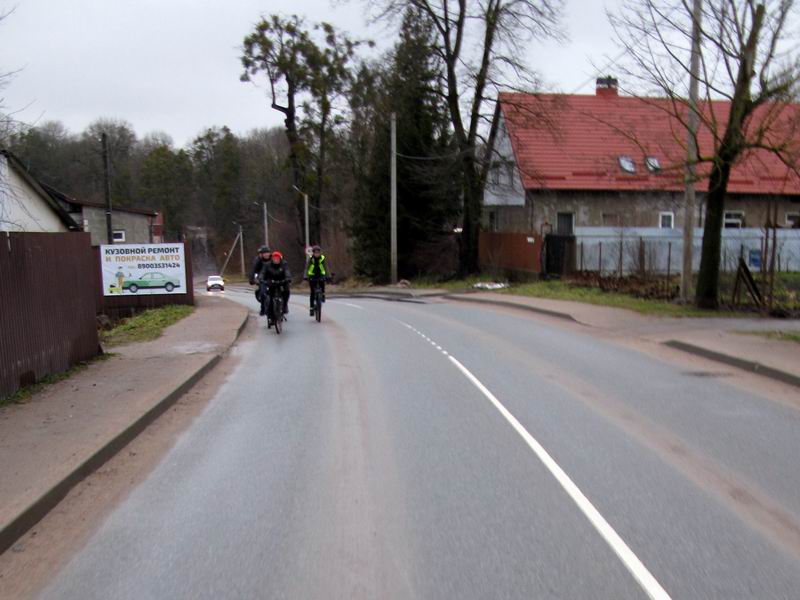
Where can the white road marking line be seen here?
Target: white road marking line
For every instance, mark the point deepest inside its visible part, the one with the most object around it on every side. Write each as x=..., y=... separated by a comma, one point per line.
x=354, y=306
x=612, y=538
x=635, y=566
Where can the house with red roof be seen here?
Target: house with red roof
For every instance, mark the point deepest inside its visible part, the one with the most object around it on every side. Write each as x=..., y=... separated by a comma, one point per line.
x=608, y=160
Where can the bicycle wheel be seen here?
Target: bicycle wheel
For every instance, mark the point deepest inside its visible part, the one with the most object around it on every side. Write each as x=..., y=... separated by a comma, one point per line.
x=318, y=307
x=278, y=316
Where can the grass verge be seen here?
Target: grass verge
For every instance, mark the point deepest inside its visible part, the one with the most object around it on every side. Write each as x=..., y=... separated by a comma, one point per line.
x=784, y=336
x=145, y=326
x=559, y=290
x=24, y=394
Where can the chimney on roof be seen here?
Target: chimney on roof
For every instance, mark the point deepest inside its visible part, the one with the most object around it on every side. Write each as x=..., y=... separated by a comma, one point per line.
x=607, y=87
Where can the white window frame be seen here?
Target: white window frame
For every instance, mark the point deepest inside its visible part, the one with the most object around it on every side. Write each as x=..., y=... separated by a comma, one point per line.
x=671, y=216
x=738, y=220
x=653, y=164
x=791, y=214
x=627, y=164
x=117, y=232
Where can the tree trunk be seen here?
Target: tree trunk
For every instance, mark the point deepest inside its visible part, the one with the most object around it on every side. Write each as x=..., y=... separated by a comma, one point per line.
x=707, y=292
x=468, y=248
x=295, y=148
x=316, y=216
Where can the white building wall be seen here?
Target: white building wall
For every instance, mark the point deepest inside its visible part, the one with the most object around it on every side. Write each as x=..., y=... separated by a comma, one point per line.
x=21, y=206
x=504, y=184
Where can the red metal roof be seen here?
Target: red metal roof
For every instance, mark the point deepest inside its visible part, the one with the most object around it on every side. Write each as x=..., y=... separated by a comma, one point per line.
x=574, y=142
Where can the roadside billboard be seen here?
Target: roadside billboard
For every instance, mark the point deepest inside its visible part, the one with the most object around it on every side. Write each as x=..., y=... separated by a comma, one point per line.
x=143, y=269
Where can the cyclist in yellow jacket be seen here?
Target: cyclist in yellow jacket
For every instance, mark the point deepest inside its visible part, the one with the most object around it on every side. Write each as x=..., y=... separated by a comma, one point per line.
x=317, y=270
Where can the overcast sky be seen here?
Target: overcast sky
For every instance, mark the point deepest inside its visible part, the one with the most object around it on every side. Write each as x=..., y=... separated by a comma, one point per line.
x=173, y=65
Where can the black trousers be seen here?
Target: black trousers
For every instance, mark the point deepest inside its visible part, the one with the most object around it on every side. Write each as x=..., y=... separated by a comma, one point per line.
x=311, y=284
x=270, y=293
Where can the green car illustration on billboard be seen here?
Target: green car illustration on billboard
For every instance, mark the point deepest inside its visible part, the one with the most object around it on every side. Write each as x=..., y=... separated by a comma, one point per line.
x=151, y=281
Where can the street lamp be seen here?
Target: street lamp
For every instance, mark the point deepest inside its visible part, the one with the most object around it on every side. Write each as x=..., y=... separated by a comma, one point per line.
x=305, y=201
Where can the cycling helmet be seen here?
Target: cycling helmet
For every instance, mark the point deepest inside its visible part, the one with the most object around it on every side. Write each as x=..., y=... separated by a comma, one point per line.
x=263, y=249
x=277, y=254
x=316, y=249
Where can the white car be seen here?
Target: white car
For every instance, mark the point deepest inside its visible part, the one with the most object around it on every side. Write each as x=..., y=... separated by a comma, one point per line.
x=215, y=282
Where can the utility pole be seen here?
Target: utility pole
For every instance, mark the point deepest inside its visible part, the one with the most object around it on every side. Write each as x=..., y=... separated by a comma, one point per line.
x=305, y=202
x=394, y=201
x=691, y=157
x=107, y=188
x=241, y=249
x=230, y=252
x=266, y=226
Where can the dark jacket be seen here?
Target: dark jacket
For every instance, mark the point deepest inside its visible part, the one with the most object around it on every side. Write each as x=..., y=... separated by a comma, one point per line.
x=317, y=267
x=258, y=265
x=272, y=272
x=255, y=270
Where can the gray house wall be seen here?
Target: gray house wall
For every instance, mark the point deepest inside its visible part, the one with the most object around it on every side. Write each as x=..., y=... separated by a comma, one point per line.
x=136, y=227
x=626, y=209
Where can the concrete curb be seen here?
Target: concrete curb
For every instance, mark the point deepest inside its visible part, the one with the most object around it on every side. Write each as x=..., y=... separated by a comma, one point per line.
x=387, y=297
x=25, y=520
x=512, y=304
x=746, y=365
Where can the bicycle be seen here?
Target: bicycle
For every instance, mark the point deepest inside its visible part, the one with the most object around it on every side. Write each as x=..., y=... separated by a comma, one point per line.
x=318, y=298
x=276, y=302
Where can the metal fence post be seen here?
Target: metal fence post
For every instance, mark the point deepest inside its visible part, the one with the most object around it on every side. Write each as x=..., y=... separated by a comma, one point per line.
x=600, y=260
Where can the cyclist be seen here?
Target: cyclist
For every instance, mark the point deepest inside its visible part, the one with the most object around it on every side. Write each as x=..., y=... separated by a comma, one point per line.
x=262, y=258
x=275, y=276
x=317, y=270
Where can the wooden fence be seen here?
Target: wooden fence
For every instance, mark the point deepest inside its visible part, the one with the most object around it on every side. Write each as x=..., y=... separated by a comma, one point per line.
x=516, y=255
x=47, y=305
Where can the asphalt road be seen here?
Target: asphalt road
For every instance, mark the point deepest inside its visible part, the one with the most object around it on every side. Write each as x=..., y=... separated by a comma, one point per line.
x=445, y=450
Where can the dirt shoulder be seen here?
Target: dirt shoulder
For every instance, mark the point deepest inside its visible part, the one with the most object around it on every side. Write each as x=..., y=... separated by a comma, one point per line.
x=64, y=432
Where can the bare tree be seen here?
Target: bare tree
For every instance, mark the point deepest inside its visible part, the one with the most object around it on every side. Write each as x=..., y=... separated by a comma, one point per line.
x=482, y=46
x=748, y=60
x=8, y=123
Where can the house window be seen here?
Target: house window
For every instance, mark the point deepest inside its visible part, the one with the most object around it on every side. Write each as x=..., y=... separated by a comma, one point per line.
x=734, y=219
x=119, y=235
x=565, y=223
x=793, y=219
x=510, y=174
x=666, y=220
x=495, y=175
x=652, y=164
x=492, y=221
x=626, y=164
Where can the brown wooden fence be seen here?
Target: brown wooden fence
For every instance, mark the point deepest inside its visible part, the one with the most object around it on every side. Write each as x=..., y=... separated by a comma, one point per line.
x=47, y=305
x=124, y=306
x=510, y=254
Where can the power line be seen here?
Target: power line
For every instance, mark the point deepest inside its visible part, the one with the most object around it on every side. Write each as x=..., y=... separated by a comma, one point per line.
x=454, y=155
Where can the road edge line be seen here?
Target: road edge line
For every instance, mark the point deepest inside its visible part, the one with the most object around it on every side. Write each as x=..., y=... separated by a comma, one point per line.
x=631, y=562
